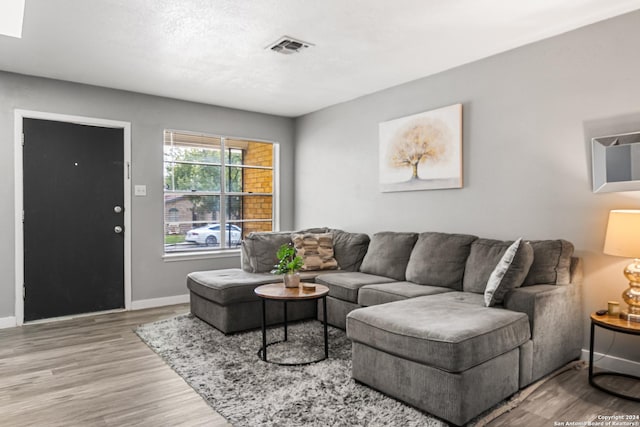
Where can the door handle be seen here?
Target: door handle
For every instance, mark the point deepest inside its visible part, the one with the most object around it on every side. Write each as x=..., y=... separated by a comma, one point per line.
x=117, y=229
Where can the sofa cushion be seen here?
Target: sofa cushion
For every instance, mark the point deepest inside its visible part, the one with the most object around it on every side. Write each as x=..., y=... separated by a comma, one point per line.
x=388, y=254
x=311, y=276
x=483, y=258
x=551, y=263
x=395, y=291
x=509, y=273
x=259, y=248
x=228, y=286
x=316, y=251
x=345, y=286
x=349, y=249
x=438, y=259
x=426, y=330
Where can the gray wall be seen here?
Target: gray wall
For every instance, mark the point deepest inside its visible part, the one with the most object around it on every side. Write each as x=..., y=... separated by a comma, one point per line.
x=529, y=116
x=149, y=116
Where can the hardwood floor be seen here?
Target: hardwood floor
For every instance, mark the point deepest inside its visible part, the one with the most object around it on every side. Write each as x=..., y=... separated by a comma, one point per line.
x=94, y=371
x=569, y=398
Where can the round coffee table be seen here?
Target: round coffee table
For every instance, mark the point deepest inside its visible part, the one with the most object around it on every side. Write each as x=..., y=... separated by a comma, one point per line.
x=278, y=292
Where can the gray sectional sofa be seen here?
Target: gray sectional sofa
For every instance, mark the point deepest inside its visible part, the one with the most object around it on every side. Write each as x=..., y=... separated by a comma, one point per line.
x=449, y=323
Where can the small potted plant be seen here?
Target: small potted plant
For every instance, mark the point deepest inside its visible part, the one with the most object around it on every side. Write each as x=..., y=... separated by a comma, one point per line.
x=289, y=264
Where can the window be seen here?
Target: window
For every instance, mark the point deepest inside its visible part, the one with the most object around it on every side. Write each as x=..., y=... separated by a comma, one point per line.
x=217, y=190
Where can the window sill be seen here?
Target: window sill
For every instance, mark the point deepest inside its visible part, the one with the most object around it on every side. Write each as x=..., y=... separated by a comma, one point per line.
x=191, y=256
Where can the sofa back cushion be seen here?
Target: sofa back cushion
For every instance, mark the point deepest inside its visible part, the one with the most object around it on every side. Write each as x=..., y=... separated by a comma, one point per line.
x=388, y=254
x=551, y=263
x=438, y=259
x=483, y=258
x=316, y=251
x=259, y=250
x=509, y=273
x=349, y=249
x=258, y=254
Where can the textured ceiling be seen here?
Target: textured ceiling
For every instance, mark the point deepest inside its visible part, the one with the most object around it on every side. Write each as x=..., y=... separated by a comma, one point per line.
x=213, y=51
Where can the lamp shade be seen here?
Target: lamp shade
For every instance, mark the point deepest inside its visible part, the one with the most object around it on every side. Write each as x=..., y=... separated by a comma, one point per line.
x=623, y=234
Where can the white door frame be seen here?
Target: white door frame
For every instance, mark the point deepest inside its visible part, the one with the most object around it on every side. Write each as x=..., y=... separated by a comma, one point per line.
x=19, y=116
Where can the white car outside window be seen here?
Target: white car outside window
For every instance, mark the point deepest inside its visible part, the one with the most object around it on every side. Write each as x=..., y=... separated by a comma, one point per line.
x=210, y=235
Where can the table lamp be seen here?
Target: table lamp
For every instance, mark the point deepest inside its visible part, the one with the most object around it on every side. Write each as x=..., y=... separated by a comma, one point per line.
x=623, y=239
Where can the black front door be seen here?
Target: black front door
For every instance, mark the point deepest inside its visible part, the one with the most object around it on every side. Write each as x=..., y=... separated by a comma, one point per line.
x=73, y=203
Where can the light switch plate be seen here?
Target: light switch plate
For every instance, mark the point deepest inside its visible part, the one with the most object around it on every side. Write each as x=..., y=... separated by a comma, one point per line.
x=140, y=190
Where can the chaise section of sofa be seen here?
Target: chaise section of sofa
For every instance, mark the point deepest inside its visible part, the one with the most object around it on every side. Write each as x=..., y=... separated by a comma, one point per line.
x=226, y=300
x=433, y=352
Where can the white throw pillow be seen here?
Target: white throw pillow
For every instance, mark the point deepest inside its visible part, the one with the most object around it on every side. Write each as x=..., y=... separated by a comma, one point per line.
x=510, y=272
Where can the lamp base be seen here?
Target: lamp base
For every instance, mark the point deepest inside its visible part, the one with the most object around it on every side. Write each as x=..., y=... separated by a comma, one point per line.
x=632, y=294
x=631, y=317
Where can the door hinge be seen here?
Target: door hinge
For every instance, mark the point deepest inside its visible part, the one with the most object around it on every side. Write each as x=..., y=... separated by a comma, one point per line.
x=23, y=216
x=128, y=170
x=23, y=139
x=24, y=292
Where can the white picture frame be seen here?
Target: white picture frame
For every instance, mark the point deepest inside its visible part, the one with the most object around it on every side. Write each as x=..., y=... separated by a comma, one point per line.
x=422, y=151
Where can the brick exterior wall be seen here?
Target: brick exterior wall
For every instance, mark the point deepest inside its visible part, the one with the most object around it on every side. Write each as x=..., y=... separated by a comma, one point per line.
x=258, y=181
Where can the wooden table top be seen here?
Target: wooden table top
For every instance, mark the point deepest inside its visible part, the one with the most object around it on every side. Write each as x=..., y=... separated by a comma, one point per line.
x=616, y=323
x=278, y=291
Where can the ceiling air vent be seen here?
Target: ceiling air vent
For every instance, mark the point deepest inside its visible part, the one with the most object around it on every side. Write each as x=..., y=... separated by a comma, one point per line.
x=288, y=45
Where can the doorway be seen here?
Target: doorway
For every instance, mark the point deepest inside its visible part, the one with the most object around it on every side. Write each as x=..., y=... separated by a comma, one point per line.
x=74, y=255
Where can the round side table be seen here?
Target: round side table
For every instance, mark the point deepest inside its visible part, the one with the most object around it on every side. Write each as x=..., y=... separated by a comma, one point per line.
x=612, y=323
x=278, y=292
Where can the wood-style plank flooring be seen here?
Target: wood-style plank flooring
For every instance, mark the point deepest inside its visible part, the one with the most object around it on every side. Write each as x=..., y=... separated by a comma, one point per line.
x=568, y=398
x=94, y=371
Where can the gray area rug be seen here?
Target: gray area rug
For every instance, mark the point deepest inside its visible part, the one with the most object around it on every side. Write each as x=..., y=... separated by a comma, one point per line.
x=227, y=373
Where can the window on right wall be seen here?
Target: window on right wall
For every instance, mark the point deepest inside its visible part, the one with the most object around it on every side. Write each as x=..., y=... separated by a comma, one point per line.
x=216, y=190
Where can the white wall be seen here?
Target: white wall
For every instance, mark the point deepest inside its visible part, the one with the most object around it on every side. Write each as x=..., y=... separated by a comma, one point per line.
x=529, y=116
x=152, y=278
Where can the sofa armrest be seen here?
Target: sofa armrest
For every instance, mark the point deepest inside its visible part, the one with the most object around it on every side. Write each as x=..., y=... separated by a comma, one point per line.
x=555, y=318
x=547, y=306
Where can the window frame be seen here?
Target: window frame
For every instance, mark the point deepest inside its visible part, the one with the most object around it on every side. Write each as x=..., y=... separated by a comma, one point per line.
x=223, y=251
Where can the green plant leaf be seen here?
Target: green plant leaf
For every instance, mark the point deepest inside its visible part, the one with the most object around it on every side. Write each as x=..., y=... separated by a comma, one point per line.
x=289, y=262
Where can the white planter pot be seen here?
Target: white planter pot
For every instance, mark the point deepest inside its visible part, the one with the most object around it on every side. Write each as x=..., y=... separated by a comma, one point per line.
x=291, y=280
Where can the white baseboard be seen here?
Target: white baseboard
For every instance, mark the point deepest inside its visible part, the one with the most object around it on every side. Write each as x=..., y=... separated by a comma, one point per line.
x=612, y=363
x=159, y=302
x=10, y=322
x=7, y=322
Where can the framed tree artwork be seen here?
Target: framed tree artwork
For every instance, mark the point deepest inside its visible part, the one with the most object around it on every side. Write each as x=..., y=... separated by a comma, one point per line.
x=422, y=151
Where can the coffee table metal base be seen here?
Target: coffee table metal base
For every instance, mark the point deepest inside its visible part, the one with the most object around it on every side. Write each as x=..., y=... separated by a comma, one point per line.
x=262, y=353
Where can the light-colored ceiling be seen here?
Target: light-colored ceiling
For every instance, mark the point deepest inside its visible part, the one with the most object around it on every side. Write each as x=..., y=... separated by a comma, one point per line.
x=213, y=51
